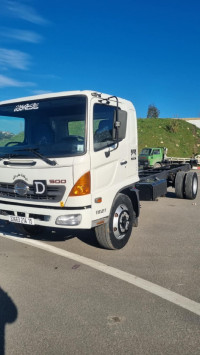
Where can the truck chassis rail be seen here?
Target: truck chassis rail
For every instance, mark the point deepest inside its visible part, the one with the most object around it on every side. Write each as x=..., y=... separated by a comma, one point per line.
x=153, y=183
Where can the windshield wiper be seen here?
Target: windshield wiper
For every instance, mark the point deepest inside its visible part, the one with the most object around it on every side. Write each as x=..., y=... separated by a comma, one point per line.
x=34, y=151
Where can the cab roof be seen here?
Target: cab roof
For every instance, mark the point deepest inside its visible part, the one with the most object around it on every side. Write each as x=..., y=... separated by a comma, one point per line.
x=88, y=93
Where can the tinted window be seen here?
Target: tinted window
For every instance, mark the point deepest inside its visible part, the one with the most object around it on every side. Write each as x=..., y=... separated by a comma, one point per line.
x=102, y=126
x=145, y=151
x=56, y=127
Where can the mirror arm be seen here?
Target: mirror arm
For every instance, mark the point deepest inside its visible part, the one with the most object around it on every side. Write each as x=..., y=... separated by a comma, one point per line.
x=117, y=124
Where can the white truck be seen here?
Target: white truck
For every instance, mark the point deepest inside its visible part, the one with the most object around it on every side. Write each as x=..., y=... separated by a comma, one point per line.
x=70, y=160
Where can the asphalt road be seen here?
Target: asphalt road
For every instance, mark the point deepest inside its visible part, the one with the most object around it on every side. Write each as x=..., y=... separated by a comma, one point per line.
x=54, y=302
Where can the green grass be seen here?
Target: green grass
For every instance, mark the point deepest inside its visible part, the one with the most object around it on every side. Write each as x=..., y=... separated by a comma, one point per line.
x=180, y=137
x=16, y=138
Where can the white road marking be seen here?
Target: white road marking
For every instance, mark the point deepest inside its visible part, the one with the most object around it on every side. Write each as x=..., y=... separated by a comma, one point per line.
x=157, y=290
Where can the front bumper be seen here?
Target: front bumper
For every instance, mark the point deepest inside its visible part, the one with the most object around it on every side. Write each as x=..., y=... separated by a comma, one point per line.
x=47, y=216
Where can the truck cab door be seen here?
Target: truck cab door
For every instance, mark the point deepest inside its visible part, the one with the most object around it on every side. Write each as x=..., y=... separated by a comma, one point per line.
x=109, y=162
x=157, y=156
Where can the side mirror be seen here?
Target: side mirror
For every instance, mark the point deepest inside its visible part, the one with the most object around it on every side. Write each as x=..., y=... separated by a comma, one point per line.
x=119, y=124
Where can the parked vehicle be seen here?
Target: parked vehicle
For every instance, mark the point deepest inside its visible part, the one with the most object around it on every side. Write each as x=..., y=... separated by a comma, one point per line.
x=70, y=160
x=157, y=157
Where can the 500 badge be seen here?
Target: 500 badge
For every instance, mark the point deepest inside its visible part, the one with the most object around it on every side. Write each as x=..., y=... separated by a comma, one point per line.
x=57, y=181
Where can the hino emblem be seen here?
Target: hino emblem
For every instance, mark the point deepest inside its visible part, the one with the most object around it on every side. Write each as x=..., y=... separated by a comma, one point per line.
x=21, y=188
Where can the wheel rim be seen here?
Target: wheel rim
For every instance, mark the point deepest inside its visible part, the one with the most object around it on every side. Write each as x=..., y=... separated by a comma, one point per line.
x=121, y=221
x=195, y=186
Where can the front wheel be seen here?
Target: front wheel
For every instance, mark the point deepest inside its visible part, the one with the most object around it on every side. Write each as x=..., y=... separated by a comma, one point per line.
x=116, y=232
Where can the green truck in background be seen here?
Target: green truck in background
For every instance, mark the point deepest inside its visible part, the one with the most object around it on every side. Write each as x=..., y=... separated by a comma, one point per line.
x=156, y=157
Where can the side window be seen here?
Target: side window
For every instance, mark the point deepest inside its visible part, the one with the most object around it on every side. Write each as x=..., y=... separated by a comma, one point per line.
x=102, y=126
x=156, y=151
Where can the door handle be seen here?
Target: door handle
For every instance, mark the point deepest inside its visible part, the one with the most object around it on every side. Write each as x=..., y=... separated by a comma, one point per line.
x=123, y=162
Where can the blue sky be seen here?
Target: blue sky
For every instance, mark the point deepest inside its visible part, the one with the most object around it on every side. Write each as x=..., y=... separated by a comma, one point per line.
x=147, y=51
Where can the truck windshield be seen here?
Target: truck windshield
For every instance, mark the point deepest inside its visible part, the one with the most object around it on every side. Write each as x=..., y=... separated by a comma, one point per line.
x=54, y=126
x=146, y=151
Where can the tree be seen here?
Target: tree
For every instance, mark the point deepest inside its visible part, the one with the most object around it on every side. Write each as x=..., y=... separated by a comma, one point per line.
x=153, y=112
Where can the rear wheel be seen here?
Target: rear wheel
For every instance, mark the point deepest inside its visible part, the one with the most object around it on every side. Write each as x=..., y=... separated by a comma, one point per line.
x=191, y=185
x=180, y=184
x=116, y=232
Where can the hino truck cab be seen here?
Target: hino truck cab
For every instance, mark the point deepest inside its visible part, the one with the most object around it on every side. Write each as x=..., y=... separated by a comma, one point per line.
x=69, y=160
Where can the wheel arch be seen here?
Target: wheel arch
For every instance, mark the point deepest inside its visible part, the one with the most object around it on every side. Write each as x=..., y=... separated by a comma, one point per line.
x=133, y=194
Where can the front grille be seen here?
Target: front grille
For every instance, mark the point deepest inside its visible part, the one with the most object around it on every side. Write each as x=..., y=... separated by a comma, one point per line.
x=54, y=193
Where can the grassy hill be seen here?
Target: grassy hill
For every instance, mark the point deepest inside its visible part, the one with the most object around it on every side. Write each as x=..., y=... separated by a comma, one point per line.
x=180, y=137
x=15, y=138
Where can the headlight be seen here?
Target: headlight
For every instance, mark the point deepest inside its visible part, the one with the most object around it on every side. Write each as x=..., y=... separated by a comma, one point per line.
x=69, y=220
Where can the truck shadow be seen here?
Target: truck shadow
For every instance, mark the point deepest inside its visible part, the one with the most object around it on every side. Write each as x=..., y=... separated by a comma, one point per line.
x=171, y=194
x=8, y=314
x=57, y=235
x=53, y=235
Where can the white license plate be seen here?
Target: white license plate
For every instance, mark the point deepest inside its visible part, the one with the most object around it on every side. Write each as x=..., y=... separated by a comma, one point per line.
x=22, y=220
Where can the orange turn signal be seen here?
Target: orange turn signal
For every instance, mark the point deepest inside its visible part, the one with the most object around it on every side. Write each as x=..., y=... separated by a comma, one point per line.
x=82, y=186
x=98, y=200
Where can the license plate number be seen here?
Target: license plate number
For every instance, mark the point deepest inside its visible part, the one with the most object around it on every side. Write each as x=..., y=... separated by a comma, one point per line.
x=21, y=220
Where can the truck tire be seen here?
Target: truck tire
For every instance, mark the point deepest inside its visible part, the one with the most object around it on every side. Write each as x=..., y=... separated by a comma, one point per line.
x=180, y=184
x=116, y=232
x=191, y=185
x=29, y=230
